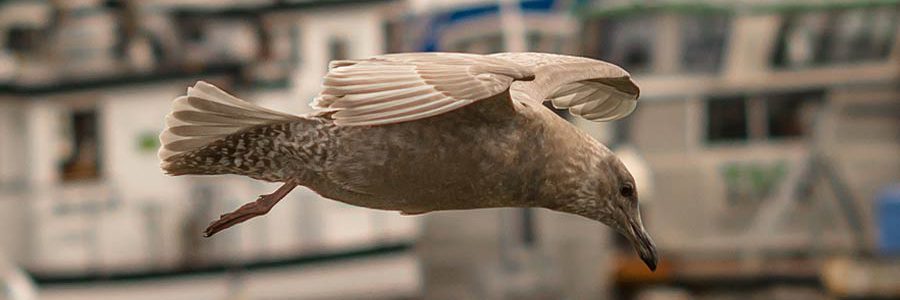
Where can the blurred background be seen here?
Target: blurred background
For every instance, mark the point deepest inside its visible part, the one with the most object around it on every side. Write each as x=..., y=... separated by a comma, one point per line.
x=766, y=147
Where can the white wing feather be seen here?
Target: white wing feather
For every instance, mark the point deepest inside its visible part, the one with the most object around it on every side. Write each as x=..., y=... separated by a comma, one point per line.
x=593, y=89
x=404, y=87
x=398, y=88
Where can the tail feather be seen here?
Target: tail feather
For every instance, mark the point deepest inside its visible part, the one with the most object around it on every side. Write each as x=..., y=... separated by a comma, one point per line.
x=204, y=115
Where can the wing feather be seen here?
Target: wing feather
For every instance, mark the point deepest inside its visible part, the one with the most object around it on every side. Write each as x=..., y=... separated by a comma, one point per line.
x=398, y=88
x=404, y=87
x=592, y=89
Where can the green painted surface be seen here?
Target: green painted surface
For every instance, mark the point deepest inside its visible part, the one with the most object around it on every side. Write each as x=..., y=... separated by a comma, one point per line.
x=148, y=142
x=752, y=181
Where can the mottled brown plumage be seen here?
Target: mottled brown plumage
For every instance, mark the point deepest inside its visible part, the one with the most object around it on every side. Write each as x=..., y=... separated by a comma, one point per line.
x=418, y=132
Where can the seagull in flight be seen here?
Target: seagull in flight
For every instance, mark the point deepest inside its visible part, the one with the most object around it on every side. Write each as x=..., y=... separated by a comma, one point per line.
x=423, y=132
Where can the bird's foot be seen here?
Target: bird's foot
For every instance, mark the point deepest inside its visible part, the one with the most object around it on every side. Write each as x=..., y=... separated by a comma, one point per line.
x=260, y=207
x=244, y=213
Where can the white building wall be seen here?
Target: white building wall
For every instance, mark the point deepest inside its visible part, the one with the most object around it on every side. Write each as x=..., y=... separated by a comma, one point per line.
x=134, y=217
x=359, y=28
x=127, y=114
x=13, y=141
x=749, y=47
x=42, y=122
x=12, y=188
x=153, y=204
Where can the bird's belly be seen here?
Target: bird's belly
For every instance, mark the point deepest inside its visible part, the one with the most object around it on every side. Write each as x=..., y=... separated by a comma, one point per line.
x=417, y=180
x=436, y=164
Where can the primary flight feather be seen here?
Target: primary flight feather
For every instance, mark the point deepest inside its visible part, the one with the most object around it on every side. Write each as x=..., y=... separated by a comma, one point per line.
x=475, y=124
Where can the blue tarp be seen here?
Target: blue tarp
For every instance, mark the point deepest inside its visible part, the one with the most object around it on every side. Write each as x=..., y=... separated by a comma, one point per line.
x=888, y=210
x=438, y=22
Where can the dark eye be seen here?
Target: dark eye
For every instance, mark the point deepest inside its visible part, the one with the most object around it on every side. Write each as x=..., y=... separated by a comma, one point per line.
x=627, y=190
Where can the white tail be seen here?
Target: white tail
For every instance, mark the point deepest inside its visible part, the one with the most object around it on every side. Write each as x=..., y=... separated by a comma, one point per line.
x=207, y=114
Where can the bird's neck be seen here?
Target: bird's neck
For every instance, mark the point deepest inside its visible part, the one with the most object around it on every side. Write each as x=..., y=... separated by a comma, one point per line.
x=575, y=161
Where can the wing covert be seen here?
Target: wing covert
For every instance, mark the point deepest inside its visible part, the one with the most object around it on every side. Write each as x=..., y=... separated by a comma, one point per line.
x=397, y=88
x=595, y=90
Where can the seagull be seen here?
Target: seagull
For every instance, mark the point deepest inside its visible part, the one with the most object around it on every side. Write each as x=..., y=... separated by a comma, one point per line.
x=423, y=132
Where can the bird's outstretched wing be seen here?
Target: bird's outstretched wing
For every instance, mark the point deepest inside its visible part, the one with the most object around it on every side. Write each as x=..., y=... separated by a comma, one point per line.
x=593, y=89
x=404, y=87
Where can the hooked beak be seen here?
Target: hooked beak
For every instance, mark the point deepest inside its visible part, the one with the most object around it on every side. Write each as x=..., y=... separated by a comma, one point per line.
x=644, y=246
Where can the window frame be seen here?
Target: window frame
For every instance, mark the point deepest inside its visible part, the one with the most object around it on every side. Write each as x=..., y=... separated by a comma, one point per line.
x=757, y=116
x=722, y=49
x=67, y=126
x=601, y=30
x=826, y=37
x=706, y=101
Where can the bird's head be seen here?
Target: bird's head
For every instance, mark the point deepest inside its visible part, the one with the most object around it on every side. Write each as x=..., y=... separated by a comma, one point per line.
x=606, y=192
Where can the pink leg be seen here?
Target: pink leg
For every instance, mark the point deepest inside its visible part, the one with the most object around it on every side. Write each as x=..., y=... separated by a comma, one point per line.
x=260, y=207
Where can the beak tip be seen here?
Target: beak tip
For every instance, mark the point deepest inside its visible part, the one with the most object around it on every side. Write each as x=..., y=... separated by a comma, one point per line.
x=650, y=262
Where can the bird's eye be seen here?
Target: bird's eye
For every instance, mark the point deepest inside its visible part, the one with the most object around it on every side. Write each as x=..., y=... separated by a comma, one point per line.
x=627, y=190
